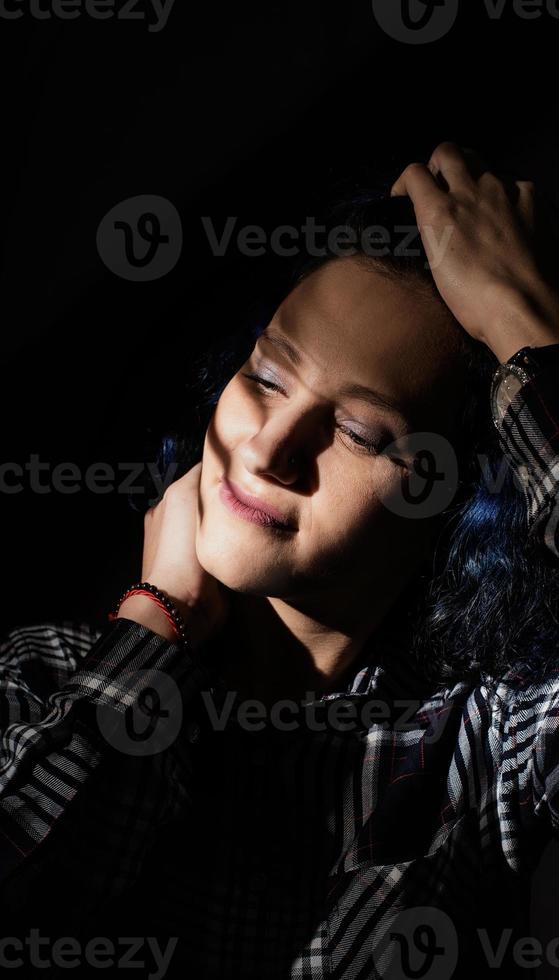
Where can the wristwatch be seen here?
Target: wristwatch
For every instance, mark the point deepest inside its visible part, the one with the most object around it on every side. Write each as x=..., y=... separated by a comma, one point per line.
x=509, y=377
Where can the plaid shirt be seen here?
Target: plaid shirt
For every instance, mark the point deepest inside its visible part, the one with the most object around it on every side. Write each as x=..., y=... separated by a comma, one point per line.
x=315, y=850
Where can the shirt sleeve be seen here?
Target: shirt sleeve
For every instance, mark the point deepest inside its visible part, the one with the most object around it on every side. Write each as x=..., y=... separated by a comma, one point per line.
x=545, y=751
x=525, y=409
x=65, y=748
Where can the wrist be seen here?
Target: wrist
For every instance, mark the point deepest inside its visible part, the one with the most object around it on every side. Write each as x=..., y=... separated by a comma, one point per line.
x=523, y=319
x=143, y=610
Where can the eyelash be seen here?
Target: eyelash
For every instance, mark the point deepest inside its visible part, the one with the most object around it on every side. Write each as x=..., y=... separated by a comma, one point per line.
x=262, y=382
x=373, y=448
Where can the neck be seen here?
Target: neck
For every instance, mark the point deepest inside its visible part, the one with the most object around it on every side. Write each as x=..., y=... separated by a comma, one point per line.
x=289, y=650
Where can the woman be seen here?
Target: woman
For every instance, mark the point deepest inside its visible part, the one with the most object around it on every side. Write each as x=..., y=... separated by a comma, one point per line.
x=350, y=764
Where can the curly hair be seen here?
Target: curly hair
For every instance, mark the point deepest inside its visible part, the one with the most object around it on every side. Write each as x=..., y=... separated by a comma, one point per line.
x=488, y=598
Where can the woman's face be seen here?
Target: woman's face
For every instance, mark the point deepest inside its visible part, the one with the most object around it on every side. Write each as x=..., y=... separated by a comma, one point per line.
x=307, y=439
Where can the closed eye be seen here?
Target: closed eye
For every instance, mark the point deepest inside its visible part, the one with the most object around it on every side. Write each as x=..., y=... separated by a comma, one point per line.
x=263, y=382
x=368, y=444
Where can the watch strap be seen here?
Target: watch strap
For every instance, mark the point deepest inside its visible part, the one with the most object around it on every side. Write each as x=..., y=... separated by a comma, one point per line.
x=510, y=376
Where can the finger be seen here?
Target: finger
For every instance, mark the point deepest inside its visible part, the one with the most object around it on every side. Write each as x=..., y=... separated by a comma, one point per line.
x=148, y=546
x=418, y=183
x=455, y=166
x=192, y=476
x=507, y=182
x=448, y=161
x=477, y=165
x=526, y=201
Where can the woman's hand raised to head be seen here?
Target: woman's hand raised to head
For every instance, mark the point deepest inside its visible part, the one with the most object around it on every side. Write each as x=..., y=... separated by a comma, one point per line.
x=477, y=230
x=169, y=562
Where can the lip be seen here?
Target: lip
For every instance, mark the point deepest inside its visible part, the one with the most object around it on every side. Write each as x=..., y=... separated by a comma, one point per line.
x=251, y=508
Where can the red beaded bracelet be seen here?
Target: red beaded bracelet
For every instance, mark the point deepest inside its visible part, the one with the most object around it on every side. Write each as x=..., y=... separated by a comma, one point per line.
x=163, y=601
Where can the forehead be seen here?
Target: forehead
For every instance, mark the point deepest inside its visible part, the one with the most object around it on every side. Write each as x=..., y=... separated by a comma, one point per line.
x=355, y=325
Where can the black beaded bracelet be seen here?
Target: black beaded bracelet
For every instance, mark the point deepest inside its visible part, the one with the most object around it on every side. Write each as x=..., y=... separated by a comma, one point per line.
x=172, y=612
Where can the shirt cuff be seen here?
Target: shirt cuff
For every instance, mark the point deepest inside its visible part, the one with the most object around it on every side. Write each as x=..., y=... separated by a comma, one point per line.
x=118, y=666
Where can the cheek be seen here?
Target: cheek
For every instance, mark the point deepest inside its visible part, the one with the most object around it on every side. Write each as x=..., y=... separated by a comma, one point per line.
x=234, y=416
x=368, y=521
x=366, y=487
x=353, y=506
x=227, y=424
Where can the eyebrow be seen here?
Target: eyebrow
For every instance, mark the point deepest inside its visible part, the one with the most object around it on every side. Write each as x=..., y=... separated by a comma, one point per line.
x=352, y=390
x=285, y=346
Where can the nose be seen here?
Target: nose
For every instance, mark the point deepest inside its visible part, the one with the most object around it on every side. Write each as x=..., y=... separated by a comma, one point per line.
x=283, y=446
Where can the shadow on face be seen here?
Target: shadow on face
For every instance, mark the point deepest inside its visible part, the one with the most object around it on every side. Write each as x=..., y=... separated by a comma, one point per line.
x=316, y=427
